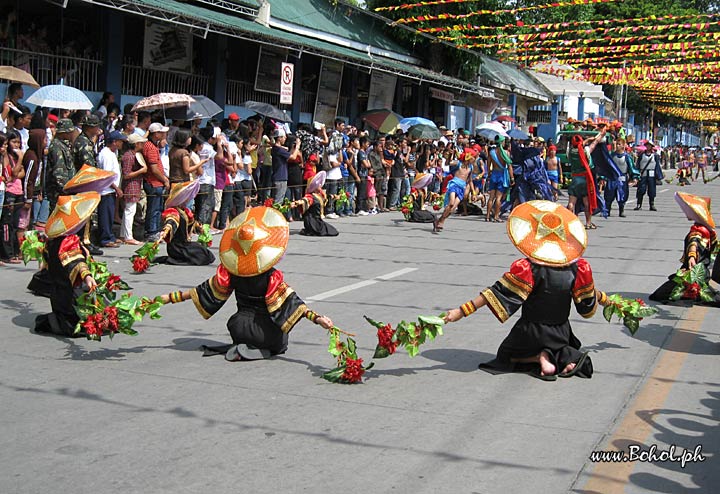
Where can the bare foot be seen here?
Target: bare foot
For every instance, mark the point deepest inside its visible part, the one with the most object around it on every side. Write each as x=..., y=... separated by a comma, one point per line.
x=546, y=367
x=568, y=368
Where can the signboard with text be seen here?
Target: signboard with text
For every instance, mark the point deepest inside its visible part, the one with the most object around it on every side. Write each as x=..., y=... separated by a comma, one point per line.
x=269, y=68
x=382, y=90
x=328, y=92
x=287, y=74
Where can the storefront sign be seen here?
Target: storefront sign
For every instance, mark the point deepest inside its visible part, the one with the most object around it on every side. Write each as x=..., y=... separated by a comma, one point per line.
x=167, y=48
x=328, y=92
x=382, y=90
x=269, y=68
x=442, y=95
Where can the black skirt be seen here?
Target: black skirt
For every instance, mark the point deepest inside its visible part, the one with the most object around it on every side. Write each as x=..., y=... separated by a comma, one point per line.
x=527, y=339
x=187, y=254
x=314, y=225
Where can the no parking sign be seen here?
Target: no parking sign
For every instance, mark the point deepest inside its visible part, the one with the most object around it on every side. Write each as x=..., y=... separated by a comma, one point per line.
x=287, y=75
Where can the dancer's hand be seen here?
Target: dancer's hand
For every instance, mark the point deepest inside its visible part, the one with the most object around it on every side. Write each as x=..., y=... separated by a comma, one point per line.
x=691, y=262
x=453, y=315
x=325, y=322
x=90, y=283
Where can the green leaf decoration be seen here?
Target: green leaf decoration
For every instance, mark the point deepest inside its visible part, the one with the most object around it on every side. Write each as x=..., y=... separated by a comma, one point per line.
x=632, y=324
x=374, y=323
x=706, y=294
x=676, y=293
x=698, y=274
x=431, y=320
x=608, y=312
x=205, y=237
x=148, y=250
x=381, y=352
x=335, y=374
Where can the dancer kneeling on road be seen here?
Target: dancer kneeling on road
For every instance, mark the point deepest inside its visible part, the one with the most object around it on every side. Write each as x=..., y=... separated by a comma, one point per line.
x=457, y=188
x=544, y=284
x=267, y=307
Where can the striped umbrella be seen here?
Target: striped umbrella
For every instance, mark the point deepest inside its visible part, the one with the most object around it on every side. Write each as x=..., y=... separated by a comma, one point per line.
x=382, y=120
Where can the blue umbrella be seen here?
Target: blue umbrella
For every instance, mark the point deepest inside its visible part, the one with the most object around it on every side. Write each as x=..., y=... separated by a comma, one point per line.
x=406, y=123
x=519, y=135
x=58, y=96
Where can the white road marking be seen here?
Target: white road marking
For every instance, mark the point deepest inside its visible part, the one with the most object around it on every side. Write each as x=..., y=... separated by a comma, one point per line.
x=629, y=201
x=360, y=284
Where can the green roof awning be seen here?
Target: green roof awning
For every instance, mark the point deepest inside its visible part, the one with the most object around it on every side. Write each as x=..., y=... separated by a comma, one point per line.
x=507, y=77
x=203, y=21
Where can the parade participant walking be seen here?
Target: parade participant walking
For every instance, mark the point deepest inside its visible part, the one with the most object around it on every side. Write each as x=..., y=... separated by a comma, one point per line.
x=646, y=165
x=628, y=177
x=583, y=184
x=554, y=170
x=501, y=179
x=267, y=308
x=312, y=206
x=700, y=243
x=178, y=226
x=65, y=258
x=544, y=284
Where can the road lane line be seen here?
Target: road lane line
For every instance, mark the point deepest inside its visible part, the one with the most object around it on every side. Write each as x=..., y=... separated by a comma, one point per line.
x=611, y=478
x=360, y=284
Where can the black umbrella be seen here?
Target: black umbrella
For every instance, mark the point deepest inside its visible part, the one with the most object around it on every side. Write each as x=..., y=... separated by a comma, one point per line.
x=203, y=107
x=267, y=110
x=422, y=131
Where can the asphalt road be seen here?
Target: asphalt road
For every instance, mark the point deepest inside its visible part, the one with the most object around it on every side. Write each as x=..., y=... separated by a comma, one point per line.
x=148, y=414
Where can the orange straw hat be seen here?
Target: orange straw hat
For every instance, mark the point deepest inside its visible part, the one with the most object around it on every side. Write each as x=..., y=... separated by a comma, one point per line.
x=254, y=241
x=181, y=193
x=696, y=208
x=547, y=233
x=71, y=213
x=422, y=180
x=89, y=179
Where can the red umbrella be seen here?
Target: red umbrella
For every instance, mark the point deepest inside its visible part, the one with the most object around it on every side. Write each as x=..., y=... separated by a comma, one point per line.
x=504, y=118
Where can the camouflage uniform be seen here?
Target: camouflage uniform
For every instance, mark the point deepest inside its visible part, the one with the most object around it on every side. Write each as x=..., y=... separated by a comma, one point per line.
x=60, y=168
x=84, y=151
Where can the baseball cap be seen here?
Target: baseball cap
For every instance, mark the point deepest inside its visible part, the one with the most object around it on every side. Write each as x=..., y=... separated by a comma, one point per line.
x=233, y=116
x=53, y=118
x=157, y=127
x=117, y=136
x=135, y=138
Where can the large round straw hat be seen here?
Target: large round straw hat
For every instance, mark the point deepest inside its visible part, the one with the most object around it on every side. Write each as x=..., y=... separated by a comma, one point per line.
x=316, y=182
x=181, y=193
x=696, y=208
x=422, y=180
x=71, y=213
x=547, y=233
x=89, y=179
x=254, y=241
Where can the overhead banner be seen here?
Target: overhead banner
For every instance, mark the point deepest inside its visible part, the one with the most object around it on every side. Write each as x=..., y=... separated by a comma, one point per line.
x=166, y=47
x=269, y=68
x=328, y=92
x=442, y=95
x=382, y=90
x=287, y=75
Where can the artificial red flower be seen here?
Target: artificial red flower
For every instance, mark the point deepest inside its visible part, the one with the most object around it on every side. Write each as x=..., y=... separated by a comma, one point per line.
x=385, y=335
x=111, y=283
x=268, y=203
x=140, y=264
x=93, y=326
x=640, y=301
x=405, y=210
x=436, y=207
x=209, y=244
x=413, y=190
x=347, y=194
x=353, y=370
x=692, y=291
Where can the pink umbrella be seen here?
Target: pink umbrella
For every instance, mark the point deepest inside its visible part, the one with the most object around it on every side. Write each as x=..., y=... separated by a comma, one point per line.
x=161, y=101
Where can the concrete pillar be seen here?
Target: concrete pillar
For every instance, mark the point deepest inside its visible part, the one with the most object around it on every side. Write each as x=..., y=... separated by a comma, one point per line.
x=111, y=72
x=602, y=109
x=297, y=90
x=512, y=103
x=469, y=118
x=216, y=66
x=554, y=114
x=354, y=107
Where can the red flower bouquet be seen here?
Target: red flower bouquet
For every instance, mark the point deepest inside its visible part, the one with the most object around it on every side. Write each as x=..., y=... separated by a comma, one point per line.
x=103, y=313
x=349, y=368
x=407, y=334
x=631, y=311
x=692, y=284
x=144, y=256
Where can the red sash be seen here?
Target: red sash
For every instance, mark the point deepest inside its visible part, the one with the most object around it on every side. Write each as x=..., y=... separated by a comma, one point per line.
x=578, y=142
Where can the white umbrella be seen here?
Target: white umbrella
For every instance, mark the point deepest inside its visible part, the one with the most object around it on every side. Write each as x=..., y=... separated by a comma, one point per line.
x=59, y=96
x=161, y=101
x=490, y=130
